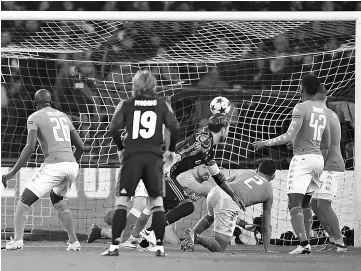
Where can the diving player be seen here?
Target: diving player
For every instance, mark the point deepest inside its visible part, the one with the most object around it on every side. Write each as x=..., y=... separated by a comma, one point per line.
x=253, y=188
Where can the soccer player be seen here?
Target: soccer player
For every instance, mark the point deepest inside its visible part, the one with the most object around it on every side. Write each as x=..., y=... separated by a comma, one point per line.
x=56, y=135
x=333, y=172
x=308, y=127
x=253, y=188
x=143, y=117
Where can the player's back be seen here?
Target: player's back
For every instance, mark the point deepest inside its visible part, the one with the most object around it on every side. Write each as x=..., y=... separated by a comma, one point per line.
x=308, y=139
x=53, y=128
x=144, y=118
x=334, y=160
x=252, y=187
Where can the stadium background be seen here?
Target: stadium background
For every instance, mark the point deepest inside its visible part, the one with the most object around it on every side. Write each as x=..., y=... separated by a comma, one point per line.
x=87, y=86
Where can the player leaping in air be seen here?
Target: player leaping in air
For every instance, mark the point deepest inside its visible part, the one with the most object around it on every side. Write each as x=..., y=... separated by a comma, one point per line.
x=333, y=172
x=308, y=127
x=143, y=117
x=253, y=188
x=56, y=135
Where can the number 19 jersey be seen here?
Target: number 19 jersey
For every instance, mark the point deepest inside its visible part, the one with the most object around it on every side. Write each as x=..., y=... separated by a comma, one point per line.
x=144, y=118
x=53, y=130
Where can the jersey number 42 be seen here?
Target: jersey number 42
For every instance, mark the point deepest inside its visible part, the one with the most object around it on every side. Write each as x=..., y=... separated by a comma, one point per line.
x=318, y=125
x=147, y=120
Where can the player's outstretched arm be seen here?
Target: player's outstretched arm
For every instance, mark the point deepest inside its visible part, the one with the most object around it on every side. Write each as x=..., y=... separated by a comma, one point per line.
x=116, y=124
x=24, y=156
x=77, y=143
x=290, y=135
x=266, y=223
x=221, y=181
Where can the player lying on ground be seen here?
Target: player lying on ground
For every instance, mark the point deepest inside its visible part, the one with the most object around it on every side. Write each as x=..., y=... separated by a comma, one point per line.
x=333, y=172
x=139, y=207
x=143, y=117
x=308, y=127
x=56, y=135
x=253, y=188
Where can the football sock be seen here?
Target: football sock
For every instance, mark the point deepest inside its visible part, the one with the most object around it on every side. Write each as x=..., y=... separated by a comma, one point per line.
x=330, y=216
x=66, y=218
x=158, y=222
x=298, y=224
x=142, y=221
x=132, y=219
x=209, y=243
x=182, y=210
x=118, y=224
x=307, y=213
x=20, y=219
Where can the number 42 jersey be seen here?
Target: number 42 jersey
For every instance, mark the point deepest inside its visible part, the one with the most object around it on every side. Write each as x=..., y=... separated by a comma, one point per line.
x=53, y=130
x=144, y=118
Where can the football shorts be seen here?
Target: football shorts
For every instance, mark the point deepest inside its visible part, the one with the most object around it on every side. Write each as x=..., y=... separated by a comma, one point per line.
x=57, y=177
x=330, y=181
x=304, y=174
x=224, y=209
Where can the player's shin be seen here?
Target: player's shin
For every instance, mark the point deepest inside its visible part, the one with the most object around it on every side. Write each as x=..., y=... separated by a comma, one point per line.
x=132, y=219
x=142, y=221
x=66, y=219
x=307, y=213
x=322, y=219
x=119, y=218
x=20, y=219
x=158, y=220
x=298, y=224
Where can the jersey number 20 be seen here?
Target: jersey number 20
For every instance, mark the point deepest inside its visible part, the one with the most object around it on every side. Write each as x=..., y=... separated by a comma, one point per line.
x=318, y=126
x=148, y=120
x=60, y=126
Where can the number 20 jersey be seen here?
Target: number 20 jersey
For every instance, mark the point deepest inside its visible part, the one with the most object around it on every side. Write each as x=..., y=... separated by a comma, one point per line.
x=53, y=130
x=144, y=118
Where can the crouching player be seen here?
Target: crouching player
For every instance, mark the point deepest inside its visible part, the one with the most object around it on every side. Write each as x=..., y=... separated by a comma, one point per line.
x=253, y=188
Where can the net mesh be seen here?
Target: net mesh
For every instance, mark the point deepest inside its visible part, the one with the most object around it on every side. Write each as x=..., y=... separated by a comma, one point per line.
x=88, y=67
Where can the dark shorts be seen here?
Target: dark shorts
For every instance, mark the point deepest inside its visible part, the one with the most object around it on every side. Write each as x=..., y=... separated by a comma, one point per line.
x=175, y=194
x=145, y=166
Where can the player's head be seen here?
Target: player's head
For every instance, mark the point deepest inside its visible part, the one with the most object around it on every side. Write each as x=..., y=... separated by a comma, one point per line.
x=144, y=84
x=321, y=95
x=218, y=125
x=268, y=168
x=310, y=86
x=202, y=173
x=42, y=98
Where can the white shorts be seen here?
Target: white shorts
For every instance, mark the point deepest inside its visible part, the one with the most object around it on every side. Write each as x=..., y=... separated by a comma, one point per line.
x=140, y=191
x=329, y=184
x=304, y=174
x=57, y=177
x=224, y=209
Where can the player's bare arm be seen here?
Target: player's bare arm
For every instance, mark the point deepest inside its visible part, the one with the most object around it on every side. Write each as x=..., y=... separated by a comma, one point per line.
x=116, y=125
x=290, y=135
x=77, y=143
x=266, y=223
x=24, y=156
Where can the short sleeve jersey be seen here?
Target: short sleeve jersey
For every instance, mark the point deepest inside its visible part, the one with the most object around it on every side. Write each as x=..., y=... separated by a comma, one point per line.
x=144, y=118
x=53, y=131
x=308, y=139
x=253, y=188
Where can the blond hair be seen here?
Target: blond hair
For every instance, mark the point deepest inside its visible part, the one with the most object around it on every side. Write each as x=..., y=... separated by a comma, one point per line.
x=144, y=84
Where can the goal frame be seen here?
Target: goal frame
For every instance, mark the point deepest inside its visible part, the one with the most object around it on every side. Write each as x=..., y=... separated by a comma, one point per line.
x=244, y=16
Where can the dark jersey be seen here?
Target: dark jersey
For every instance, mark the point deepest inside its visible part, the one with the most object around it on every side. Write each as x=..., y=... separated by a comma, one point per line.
x=143, y=119
x=193, y=151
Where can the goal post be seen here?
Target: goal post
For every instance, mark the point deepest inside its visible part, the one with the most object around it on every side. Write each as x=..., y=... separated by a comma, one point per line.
x=222, y=50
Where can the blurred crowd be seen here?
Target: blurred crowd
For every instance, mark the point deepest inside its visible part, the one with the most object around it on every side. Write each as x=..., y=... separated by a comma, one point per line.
x=87, y=85
x=183, y=5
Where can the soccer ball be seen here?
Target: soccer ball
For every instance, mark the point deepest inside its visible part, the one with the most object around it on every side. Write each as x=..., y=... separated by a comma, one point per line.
x=220, y=105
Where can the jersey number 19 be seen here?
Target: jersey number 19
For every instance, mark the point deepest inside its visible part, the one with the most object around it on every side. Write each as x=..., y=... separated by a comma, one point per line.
x=148, y=120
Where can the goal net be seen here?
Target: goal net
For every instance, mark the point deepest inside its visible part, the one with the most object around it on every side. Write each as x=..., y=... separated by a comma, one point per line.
x=88, y=67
